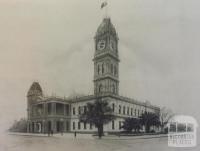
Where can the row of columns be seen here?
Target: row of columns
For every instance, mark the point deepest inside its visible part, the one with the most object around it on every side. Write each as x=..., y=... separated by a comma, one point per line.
x=52, y=109
x=46, y=126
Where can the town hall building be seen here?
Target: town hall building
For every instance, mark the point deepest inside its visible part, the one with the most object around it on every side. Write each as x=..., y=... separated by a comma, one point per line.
x=62, y=114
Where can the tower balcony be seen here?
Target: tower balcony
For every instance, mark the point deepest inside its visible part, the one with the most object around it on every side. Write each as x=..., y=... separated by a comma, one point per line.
x=102, y=54
x=105, y=76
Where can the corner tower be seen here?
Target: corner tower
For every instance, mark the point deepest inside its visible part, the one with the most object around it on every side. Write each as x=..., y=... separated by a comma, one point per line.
x=106, y=59
x=34, y=95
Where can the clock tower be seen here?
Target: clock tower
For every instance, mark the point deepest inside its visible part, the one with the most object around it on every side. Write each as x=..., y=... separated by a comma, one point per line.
x=106, y=60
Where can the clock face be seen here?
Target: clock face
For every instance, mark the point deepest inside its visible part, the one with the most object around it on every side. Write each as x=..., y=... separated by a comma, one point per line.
x=101, y=45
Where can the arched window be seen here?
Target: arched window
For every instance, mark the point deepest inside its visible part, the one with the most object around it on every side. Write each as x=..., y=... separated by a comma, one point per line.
x=107, y=67
x=112, y=68
x=103, y=68
x=113, y=88
x=115, y=70
x=100, y=88
x=113, y=107
x=98, y=69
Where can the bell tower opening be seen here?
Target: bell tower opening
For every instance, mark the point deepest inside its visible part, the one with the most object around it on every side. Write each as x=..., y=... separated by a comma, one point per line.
x=106, y=60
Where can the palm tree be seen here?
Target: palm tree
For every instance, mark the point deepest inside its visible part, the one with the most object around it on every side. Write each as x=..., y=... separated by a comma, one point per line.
x=149, y=119
x=98, y=113
x=131, y=123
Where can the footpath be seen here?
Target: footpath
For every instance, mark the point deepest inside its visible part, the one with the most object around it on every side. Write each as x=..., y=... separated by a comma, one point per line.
x=56, y=135
x=88, y=136
x=115, y=137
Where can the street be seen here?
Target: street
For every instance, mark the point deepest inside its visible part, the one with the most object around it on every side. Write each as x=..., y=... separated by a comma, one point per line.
x=83, y=143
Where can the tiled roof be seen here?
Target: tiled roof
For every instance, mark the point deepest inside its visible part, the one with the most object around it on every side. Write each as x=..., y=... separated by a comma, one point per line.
x=106, y=27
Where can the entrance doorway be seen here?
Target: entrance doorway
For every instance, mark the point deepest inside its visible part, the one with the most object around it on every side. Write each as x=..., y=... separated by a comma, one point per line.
x=67, y=125
x=59, y=126
x=49, y=126
x=33, y=127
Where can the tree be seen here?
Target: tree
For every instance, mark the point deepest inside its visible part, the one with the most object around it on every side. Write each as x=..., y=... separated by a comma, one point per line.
x=98, y=113
x=131, y=123
x=165, y=115
x=19, y=126
x=148, y=120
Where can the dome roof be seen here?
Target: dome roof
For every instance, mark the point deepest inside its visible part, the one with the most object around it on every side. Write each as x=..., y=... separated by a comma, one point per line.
x=106, y=26
x=183, y=119
x=35, y=89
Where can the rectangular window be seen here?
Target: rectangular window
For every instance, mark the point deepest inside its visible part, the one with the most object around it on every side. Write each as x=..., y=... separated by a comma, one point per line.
x=181, y=127
x=131, y=111
x=120, y=125
x=90, y=125
x=32, y=111
x=67, y=109
x=79, y=125
x=119, y=109
x=124, y=110
x=74, y=126
x=190, y=127
x=138, y=113
x=113, y=107
x=67, y=125
x=85, y=125
x=127, y=110
x=85, y=109
x=49, y=108
x=113, y=125
x=74, y=111
x=135, y=112
x=102, y=68
x=59, y=109
x=172, y=127
x=79, y=110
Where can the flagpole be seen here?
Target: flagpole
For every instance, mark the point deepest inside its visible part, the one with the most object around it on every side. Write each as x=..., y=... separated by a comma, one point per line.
x=106, y=9
x=105, y=12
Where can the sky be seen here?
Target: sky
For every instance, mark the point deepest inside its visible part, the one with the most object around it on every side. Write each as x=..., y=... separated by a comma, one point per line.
x=52, y=42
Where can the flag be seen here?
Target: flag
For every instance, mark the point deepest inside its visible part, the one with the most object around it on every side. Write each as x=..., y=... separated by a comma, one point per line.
x=103, y=4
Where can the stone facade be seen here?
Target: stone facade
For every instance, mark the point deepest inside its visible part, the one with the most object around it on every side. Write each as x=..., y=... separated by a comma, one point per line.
x=62, y=114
